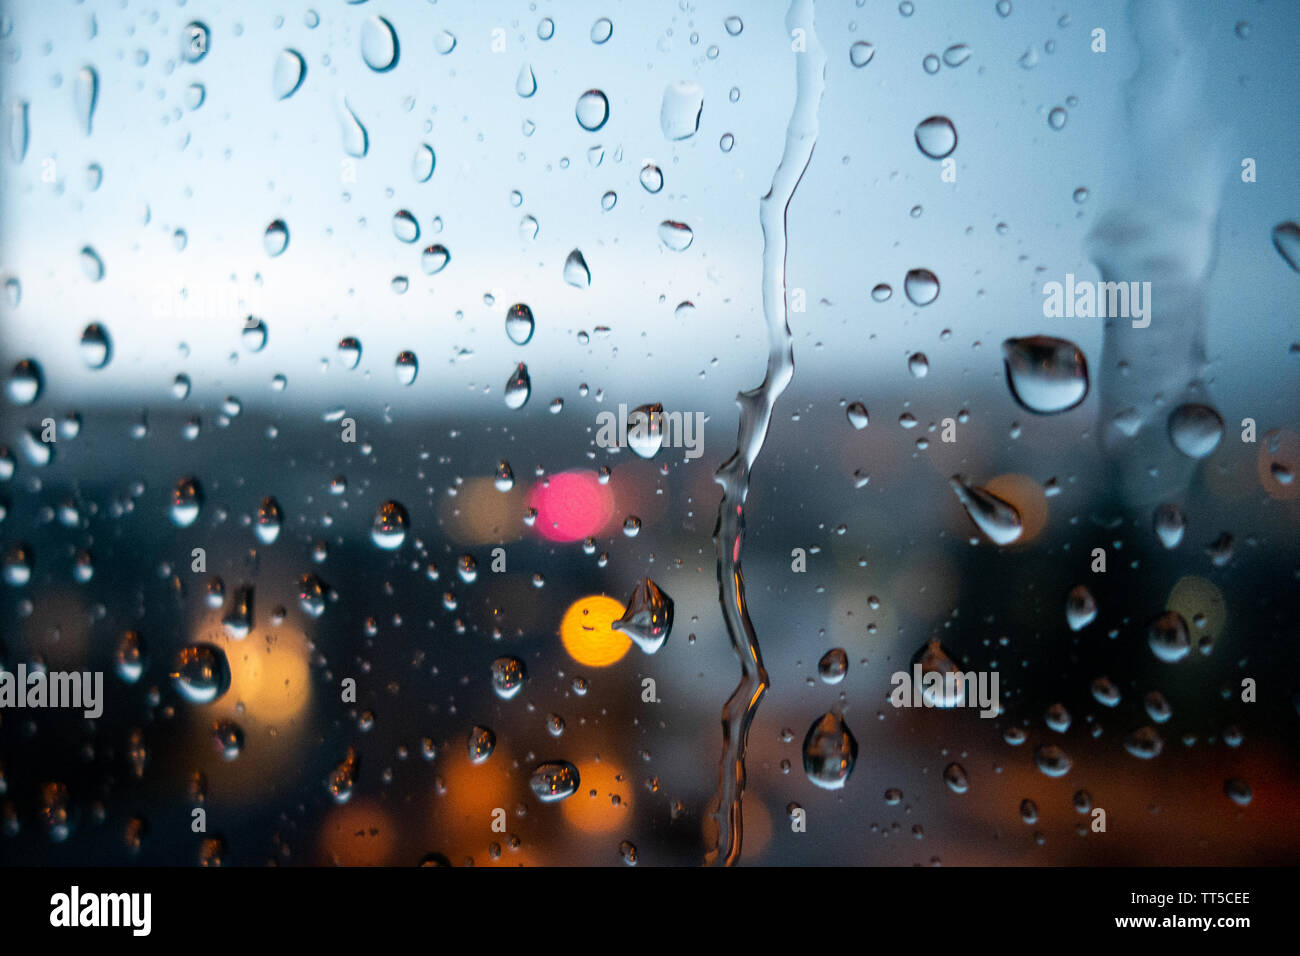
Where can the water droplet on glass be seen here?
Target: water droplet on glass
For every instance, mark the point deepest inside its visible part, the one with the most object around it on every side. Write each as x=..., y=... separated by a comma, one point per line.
x=405, y=228
x=19, y=130
x=677, y=236
x=1057, y=117
x=645, y=435
x=998, y=519
x=1144, y=743
x=601, y=30
x=201, y=673
x=194, y=41
x=554, y=781
x=956, y=55
x=857, y=415
x=829, y=752
x=921, y=286
x=379, y=46
x=289, y=72
x=238, y=621
x=652, y=178
x=388, y=530
x=269, y=521
x=936, y=137
x=918, y=365
x=1195, y=429
x=406, y=366
x=860, y=53
x=26, y=382
x=1046, y=375
x=525, y=82
x=423, y=162
x=504, y=479
x=679, y=113
x=86, y=95
x=1168, y=638
x=508, y=676
x=576, y=272
x=954, y=775
x=187, y=500
x=1080, y=608
x=444, y=42
x=930, y=63
x=480, y=743
x=520, y=324
x=276, y=238
x=356, y=141
x=647, y=617
x=1052, y=760
x=92, y=267
x=129, y=658
x=833, y=665
x=350, y=352
x=434, y=259
x=343, y=778
x=518, y=387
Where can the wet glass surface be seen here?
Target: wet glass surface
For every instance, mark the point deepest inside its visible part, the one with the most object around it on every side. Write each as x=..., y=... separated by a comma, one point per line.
x=370, y=425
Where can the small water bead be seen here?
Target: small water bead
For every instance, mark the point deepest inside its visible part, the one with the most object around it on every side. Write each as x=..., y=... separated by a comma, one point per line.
x=1106, y=692
x=405, y=228
x=480, y=743
x=201, y=673
x=276, y=238
x=26, y=382
x=833, y=665
x=997, y=518
x=181, y=387
x=1238, y=791
x=406, y=366
x=1080, y=608
x=1168, y=638
x=727, y=142
x=592, y=111
x=1170, y=525
x=1195, y=429
x=647, y=617
x=1003, y=7
x=1052, y=760
x=861, y=53
x=13, y=292
x=504, y=479
x=829, y=752
x=313, y=595
x=733, y=26
x=1057, y=117
x=608, y=200
x=918, y=365
x=85, y=91
x=526, y=82
x=356, y=141
x=434, y=259
x=1028, y=812
x=652, y=178
x=187, y=500
x=601, y=30
x=1058, y=718
x=954, y=775
x=956, y=55
x=269, y=521
x=350, y=352
x=1286, y=240
x=228, y=739
x=508, y=676
x=289, y=72
x=921, y=286
x=680, y=109
x=518, y=388
x=343, y=778
x=1144, y=743
x=627, y=852
x=528, y=228
x=92, y=266
x=129, y=658
x=930, y=63
x=906, y=8
x=18, y=565
x=631, y=526
x=254, y=334
x=422, y=163
x=1046, y=375
x=545, y=28
x=857, y=415
x=576, y=271
x=676, y=236
x=388, y=530
x=881, y=292
x=444, y=42
x=936, y=137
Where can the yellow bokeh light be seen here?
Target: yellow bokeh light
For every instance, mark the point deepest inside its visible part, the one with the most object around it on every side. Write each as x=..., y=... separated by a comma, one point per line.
x=599, y=813
x=272, y=680
x=587, y=633
x=1028, y=497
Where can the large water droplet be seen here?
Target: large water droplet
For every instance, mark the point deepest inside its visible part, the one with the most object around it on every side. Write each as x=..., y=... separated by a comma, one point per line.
x=26, y=382
x=860, y=53
x=96, y=346
x=648, y=616
x=520, y=324
x=526, y=82
x=829, y=752
x=576, y=272
x=592, y=110
x=350, y=351
x=86, y=95
x=602, y=30
x=290, y=70
x=679, y=113
x=652, y=178
x=1046, y=375
x=921, y=286
x=480, y=743
x=379, y=47
x=405, y=228
x=434, y=259
x=406, y=366
x=645, y=430
x=388, y=530
x=423, y=162
x=936, y=137
x=833, y=665
x=508, y=676
x=998, y=519
x=1195, y=429
x=554, y=781
x=201, y=673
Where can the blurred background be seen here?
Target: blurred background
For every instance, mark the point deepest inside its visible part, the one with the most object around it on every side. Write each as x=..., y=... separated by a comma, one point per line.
x=260, y=265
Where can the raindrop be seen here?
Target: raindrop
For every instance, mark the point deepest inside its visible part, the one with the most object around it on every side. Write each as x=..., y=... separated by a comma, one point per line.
x=645, y=434
x=881, y=292
x=406, y=366
x=504, y=479
x=652, y=178
x=930, y=63
x=423, y=163
x=379, y=46
x=860, y=53
x=228, y=738
x=918, y=365
x=677, y=236
x=356, y=141
x=526, y=83
x=829, y=752
x=518, y=387
x=1052, y=760
x=936, y=137
x=956, y=55
x=520, y=324
x=312, y=595
x=601, y=30
x=592, y=110
x=949, y=690
x=1195, y=429
x=290, y=70
x=1046, y=375
x=388, y=530
x=576, y=272
x=19, y=130
x=26, y=382
x=343, y=778
x=921, y=286
x=1057, y=117
x=86, y=94
x=1238, y=791
x=444, y=42
x=1169, y=523
x=254, y=334
x=92, y=267
x=954, y=775
x=734, y=25
x=1168, y=638
x=194, y=41
x=129, y=658
x=998, y=519
x=648, y=616
x=1144, y=743
x=508, y=676
x=238, y=621
x=833, y=665
x=480, y=743
x=679, y=113
x=857, y=415
x=405, y=228
x=1080, y=608
x=187, y=500
x=350, y=352
x=434, y=259
x=1286, y=240
x=545, y=28
x=269, y=521
x=554, y=781
x=201, y=673
x=276, y=238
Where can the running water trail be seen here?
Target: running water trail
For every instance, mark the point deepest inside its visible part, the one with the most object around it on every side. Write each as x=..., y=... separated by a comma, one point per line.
x=755, y=417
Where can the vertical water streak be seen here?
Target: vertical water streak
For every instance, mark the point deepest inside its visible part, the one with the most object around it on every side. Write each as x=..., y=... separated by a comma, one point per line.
x=755, y=416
